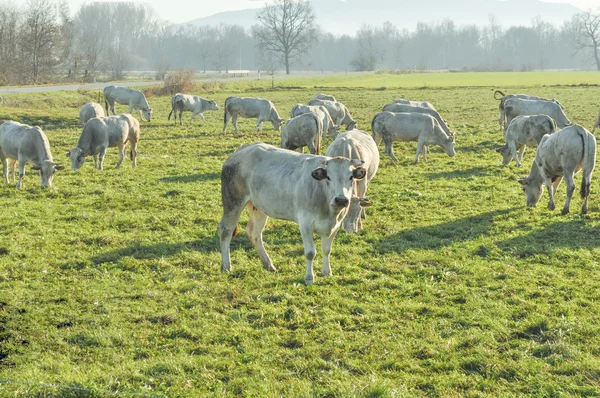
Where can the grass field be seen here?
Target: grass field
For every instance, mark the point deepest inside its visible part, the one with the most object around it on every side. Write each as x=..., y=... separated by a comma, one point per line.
x=110, y=283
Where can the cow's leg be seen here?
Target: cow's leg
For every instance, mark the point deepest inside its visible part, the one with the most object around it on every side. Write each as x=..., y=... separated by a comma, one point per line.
x=521, y=153
x=570, y=189
x=226, y=121
x=326, y=243
x=513, y=151
x=12, y=170
x=306, y=231
x=121, y=156
x=425, y=153
x=101, y=158
x=550, y=187
x=234, y=121
x=134, y=152
x=311, y=148
x=193, y=116
x=389, y=149
x=228, y=229
x=21, y=172
x=202, y=117
x=5, y=166
x=258, y=124
x=256, y=224
x=420, y=148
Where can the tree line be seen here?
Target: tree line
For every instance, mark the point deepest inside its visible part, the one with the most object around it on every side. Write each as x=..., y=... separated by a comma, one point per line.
x=42, y=40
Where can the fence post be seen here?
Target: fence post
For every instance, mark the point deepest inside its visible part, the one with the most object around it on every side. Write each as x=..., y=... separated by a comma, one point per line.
x=272, y=82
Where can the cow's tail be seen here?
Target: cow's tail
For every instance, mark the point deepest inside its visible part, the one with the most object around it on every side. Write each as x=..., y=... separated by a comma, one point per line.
x=589, y=160
x=319, y=123
x=496, y=93
x=172, y=109
x=376, y=136
x=225, y=110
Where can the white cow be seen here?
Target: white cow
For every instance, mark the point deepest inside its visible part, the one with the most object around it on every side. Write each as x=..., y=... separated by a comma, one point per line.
x=357, y=144
x=303, y=130
x=514, y=107
x=324, y=97
x=313, y=191
x=559, y=156
x=322, y=113
x=259, y=108
x=26, y=144
x=522, y=131
x=90, y=110
x=104, y=132
x=422, y=104
x=404, y=108
x=192, y=103
x=419, y=127
x=338, y=112
x=126, y=96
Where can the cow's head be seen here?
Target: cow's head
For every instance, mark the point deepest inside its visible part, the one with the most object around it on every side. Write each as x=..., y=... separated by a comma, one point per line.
x=77, y=156
x=352, y=125
x=212, y=106
x=504, y=150
x=339, y=174
x=47, y=170
x=277, y=122
x=353, y=220
x=147, y=113
x=533, y=191
x=447, y=145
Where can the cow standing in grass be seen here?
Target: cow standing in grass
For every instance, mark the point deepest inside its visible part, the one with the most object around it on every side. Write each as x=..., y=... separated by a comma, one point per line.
x=90, y=110
x=421, y=104
x=259, y=108
x=405, y=108
x=302, y=131
x=26, y=144
x=559, y=156
x=322, y=113
x=313, y=191
x=338, y=112
x=101, y=133
x=191, y=103
x=126, y=96
x=522, y=131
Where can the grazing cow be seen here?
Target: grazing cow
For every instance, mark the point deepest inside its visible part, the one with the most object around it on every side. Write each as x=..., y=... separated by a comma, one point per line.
x=259, y=108
x=322, y=113
x=303, y=130
x=514, y=107
x=597, y=124
x=192, y=103
x=105, y=132
x=522, y=131
x=26, y=144
x=403, y=108
x=504, y=97
x=313, y=191
x=559, y=155
x=422, y=104
x=90, y=110
x=357, y=144
x=324, y=97
x=126, y=96
x=338, y=112
x=420, y=127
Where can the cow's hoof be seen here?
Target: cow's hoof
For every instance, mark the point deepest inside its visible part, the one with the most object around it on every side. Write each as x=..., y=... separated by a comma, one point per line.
x=551, y=206
x=225, y=269
x=565, y=211
x=584, y=209
x=270, y=268
x=308, y=281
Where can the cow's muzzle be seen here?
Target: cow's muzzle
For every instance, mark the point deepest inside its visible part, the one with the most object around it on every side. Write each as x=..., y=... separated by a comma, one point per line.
x=341, y=201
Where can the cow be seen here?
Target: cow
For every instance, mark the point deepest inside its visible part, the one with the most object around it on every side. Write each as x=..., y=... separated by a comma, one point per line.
x=101, y=133
x=26, y=144
x=404, y=108
x=503, y=98
x=522, y=131
x=422, y=128
x=357, y=144
x=303, y=130
x=597, y=124
x=259, y=108
x=192, y=103
x=559, y=156
x=90, y=110
x=324, y=97
x=313, y=191
x=322, y=113
x=126, y=96
x=338, y=112
x=422, y=104
x=514, y=107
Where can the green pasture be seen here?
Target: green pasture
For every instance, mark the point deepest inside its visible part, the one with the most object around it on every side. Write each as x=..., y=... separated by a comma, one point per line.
x=110, y=283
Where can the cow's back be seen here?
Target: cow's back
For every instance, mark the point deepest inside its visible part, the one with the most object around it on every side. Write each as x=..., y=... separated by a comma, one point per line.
x=357, y=144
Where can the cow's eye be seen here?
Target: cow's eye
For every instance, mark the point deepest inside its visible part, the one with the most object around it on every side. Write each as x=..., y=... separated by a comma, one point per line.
x=351, y=178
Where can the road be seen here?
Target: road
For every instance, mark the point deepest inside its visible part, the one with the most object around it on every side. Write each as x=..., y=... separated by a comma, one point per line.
x=211, y=77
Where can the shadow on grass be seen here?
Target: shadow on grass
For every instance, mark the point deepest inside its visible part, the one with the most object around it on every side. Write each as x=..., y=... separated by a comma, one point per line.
x=191, y=178
x=573, y=234
x=440, y=235
x=50, y=123
x=475, y=171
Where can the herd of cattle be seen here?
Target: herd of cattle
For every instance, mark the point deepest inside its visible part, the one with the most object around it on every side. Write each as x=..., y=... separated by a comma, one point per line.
x=320, y=193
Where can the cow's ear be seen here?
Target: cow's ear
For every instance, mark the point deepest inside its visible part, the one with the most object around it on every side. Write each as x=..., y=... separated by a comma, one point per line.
x=319, y=173
x=359, y=173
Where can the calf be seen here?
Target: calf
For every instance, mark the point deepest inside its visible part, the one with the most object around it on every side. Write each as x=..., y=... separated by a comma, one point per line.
x=192, y=103
x=313, y=191
x=522, y=131
x=322, y=113
x=303, y=130
x=26, y=144
x=338, y=112
x=424, y=129
x=404, y=108
x=90, y=110
x=105, y=132
x=126, y=96
x=259, y=108
x=357, y=144
x=559, y=156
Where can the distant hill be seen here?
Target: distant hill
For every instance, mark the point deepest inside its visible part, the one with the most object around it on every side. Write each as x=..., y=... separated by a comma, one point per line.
x=346, y=16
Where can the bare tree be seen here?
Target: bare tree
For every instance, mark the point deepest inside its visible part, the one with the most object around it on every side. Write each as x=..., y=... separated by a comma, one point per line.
x=287, y=29
x=39, y=37
x=587, y=26
x=10, y=20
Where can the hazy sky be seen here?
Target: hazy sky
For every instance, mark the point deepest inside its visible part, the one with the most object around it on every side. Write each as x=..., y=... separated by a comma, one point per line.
x=179, y=11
